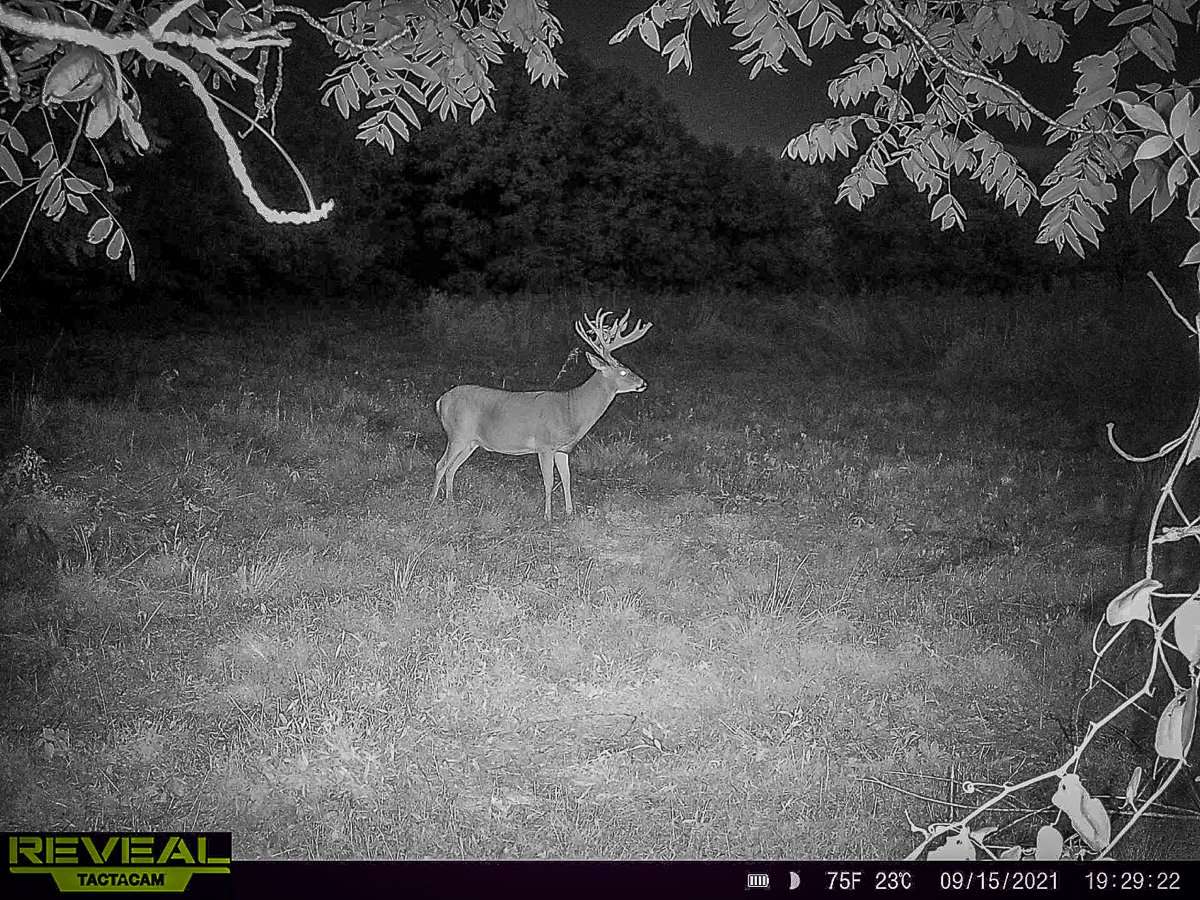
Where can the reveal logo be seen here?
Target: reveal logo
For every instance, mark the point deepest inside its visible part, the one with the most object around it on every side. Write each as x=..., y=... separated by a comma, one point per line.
x=153, y=863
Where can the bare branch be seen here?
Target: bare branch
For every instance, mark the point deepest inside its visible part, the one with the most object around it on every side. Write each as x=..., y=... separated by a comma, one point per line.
x=232, y=152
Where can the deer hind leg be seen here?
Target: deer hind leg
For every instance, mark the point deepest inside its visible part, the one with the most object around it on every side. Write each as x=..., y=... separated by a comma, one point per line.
x=439, y=473
x=455, y=456
x=546, y=460
x=563, y=463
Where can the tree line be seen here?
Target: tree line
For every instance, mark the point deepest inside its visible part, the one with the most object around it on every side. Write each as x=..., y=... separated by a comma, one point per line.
x=598, y=184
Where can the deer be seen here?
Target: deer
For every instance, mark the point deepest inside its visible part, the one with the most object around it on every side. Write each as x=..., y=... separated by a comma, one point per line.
x=548, y=423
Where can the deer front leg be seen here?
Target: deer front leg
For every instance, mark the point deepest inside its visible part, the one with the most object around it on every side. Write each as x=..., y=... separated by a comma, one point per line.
x=546, y=460
x=563, y=463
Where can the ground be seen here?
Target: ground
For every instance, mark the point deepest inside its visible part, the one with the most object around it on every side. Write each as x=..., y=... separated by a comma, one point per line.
x=813, y=586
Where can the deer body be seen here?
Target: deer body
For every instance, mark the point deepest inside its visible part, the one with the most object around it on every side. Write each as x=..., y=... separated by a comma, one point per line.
x=548, y=423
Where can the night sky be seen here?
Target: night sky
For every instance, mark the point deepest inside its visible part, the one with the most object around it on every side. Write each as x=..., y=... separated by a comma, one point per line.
x=718, y=102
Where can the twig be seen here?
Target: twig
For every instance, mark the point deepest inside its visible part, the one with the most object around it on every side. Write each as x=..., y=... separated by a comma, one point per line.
x=1171, y=303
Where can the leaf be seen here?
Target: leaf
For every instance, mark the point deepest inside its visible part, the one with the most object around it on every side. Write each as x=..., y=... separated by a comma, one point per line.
x=76, y=203
x=1153, y=45
x=1144, y=116
x=1134, y=786
x=79, y=185
x=1093, y=98
x=232, y=21
x=76, y=76
x=202, y=18
x=132, y=128
x=103, y=114
x=1049, y=844
x=1132, y=603
x=1136, y=14
x=44, y=154
x=1193, y=201
x=99, y=230
x=16, y=140
x=1143, y=186
x=8, y=165
x=1187, y=630
x=350, y=90
x=1180, y=116
x=957, y=847
x=1191, y=134
x=1087, y=814
x=1153, y=147
x=1012, y=854
x=649, y=34
x=45, y=180
x=1178, y=173
x=115, y=245
x=1176, y=726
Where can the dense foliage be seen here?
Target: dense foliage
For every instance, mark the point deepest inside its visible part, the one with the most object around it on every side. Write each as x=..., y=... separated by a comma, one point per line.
x=598, y=185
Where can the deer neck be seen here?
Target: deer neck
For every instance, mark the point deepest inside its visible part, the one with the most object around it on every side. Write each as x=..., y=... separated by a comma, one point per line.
x=588, y=402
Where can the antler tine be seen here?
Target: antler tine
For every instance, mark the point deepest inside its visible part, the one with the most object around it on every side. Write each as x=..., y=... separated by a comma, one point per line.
x=595, y=339
x=604, y=339
x=619, y=337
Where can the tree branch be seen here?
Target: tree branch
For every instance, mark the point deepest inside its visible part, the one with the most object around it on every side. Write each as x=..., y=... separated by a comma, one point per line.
x=143, y=45
x=334, y=36
x=169, y=15
x=232, y=152
x=999, y=85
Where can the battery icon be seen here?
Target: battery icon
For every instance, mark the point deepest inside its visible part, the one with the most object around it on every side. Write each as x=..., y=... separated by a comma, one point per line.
x=758, y=880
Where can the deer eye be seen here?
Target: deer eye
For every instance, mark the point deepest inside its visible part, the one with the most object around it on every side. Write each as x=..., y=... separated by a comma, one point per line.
x=624, y=372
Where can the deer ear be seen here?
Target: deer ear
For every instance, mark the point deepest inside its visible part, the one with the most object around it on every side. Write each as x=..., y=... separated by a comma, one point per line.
x=597, y=363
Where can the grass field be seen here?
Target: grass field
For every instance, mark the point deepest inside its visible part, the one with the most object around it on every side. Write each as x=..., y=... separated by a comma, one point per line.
x=837, y=559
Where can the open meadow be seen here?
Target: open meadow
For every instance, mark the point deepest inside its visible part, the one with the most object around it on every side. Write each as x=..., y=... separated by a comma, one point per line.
x=838, y=557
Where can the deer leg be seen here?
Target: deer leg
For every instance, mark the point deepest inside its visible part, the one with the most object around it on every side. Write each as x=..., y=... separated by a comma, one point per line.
x=439, y=472
x=460, y=456
x=563, y=464
x=546, y=460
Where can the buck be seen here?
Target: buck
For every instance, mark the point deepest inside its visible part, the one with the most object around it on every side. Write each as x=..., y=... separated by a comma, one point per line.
x=548, y=423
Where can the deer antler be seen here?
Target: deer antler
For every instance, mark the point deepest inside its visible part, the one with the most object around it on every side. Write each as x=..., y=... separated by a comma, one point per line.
x=604, y=339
